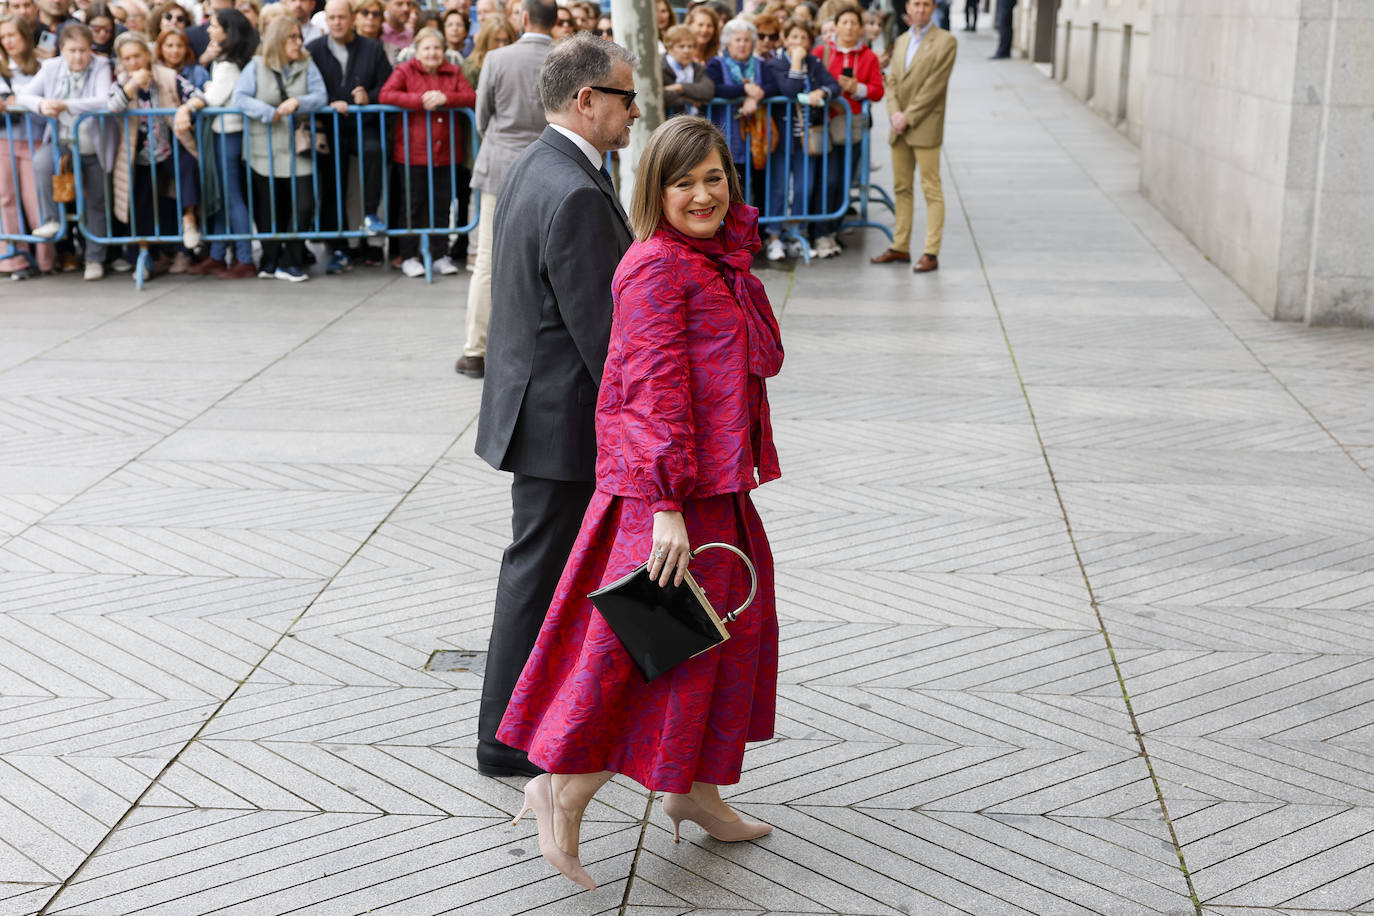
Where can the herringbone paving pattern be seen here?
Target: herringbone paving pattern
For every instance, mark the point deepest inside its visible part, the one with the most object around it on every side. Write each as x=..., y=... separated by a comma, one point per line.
x=1072, y=554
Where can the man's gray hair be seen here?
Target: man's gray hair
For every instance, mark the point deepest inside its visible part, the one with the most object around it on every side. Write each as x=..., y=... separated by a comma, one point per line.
x=577, y=61
x=734, y=27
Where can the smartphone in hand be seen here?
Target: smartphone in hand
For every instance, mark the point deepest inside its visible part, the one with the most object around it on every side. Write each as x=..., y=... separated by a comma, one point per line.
x=847, y=71
x=48, y=41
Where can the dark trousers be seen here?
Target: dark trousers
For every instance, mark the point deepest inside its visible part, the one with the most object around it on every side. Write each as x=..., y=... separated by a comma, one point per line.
x=1004, y=8
x=971, y=15
x=334, y=185
x=266, y=190
x=421, y=216
x=942, y=14
x=545, y=518
x=152, y=213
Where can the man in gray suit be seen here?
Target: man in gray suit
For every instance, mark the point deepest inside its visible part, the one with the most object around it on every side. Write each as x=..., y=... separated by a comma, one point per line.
x=559, y=234
x=509, y=118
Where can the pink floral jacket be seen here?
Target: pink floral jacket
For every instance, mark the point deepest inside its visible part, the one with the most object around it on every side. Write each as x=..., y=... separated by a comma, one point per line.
x=683, y=409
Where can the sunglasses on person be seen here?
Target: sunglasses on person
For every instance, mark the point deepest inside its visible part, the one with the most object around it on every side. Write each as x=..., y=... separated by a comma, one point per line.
x=769, y=36
x=603, y=33
x=629, y=94
x=176, y=17
x=371, y=14
x=564, y=21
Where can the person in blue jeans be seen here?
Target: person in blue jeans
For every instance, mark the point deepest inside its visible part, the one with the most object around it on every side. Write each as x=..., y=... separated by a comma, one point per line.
x=799, y=74
x=221, y=144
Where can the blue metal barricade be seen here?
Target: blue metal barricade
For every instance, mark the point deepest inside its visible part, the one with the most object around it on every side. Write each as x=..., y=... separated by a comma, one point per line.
x=21, y=142
x=322, y=144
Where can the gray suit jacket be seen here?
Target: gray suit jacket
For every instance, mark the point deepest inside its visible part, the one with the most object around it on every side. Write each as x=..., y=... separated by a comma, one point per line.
x=509, y=113
x=559, y=234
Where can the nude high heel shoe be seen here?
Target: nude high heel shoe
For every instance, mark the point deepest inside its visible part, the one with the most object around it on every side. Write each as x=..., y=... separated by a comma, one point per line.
x=681, y=808
x=539, y=798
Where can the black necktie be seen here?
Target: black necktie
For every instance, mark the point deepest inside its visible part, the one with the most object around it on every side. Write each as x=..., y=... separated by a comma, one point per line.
x=606, y=175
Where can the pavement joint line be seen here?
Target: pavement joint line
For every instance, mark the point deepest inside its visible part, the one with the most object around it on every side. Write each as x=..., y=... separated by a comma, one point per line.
x=209, y=407
x=286, y=633
x=1345, y=450
x=639, y=849
x=1068, y=527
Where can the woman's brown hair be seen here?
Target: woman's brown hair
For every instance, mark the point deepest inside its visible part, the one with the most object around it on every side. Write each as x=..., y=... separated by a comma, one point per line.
x=29, y=63
x=713, y=48
x=487, y=33
x=273, y=47
x=189, y=57
x=678, y=145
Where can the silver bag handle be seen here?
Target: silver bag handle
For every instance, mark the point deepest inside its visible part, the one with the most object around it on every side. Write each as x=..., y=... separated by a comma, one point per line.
x=753, y=576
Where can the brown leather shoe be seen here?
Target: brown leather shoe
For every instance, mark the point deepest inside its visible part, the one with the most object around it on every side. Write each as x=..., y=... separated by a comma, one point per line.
x=887, y=257
x=927, y=263
x=471, y=366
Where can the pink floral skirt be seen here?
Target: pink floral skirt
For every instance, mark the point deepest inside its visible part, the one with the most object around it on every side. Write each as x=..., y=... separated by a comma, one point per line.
x=581, y=705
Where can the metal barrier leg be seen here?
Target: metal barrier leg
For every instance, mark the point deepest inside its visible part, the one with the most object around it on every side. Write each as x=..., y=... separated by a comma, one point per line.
x=142, y=267
x=427, y=256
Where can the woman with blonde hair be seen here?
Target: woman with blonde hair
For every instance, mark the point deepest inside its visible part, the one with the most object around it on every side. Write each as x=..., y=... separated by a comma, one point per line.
x=683, y=433
x=278, y=88
x=496, y=32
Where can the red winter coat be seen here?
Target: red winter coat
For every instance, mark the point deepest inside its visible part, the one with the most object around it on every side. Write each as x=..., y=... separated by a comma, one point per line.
x=404, y=88
x=867, y=70
x=683, y=411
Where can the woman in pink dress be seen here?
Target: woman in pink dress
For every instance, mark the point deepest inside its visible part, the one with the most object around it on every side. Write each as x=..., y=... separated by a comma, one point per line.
x=683, y=434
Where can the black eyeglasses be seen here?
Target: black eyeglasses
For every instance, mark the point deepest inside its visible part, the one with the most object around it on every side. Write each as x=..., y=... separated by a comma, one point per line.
x=371, y=14
x=175, y=18
x=769, y=36
x=564, y=22
x=629, y=94
x=602, y=33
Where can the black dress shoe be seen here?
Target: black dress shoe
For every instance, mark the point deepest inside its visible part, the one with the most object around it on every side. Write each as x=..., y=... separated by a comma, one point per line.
x=499, y=760
x=1000, y=57
x=471, y=366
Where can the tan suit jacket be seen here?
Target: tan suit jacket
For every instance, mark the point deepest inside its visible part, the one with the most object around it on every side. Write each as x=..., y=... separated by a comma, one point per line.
x=919, y=91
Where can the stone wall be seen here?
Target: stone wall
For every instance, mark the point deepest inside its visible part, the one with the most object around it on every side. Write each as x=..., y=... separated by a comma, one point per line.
x=1258, y=127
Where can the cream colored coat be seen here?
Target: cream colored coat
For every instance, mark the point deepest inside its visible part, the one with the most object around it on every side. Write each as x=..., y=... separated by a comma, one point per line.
x=165, y=81
x=919, y=91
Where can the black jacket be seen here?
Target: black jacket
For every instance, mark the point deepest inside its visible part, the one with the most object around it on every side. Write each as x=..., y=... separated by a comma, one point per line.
x=367, y=67
x=559, y=233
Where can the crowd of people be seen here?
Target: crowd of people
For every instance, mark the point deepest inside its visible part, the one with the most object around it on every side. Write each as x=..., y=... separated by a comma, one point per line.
x=288, y=62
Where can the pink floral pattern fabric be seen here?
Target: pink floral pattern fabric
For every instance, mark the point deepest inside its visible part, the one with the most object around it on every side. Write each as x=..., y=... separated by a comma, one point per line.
x=682, y=423
x=683, y=407
x=581, y=705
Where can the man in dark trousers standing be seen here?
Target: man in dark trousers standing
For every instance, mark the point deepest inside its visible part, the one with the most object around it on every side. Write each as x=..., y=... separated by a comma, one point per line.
x=1004, y=28
x=353, y=68
x=559, y=233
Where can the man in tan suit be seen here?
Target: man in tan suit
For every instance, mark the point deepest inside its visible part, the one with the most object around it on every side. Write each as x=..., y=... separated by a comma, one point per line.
x=922, y=58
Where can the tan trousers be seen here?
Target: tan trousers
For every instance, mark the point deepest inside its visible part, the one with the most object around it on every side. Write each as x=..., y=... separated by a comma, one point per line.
x=906, y=159
x=479, y=288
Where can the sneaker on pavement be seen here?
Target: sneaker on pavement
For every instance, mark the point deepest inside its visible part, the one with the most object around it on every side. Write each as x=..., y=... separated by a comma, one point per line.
x=267, y=272
x=339, y=263
x=95, y=270
x=190, y=233
x=121, y=265
x=797, y=249
x=292, y=274
x=775, y=250
x=826, y=247
x=446, y=266
x=373, y=225
x=181, y=263
x=413, y=267
x=48, y=229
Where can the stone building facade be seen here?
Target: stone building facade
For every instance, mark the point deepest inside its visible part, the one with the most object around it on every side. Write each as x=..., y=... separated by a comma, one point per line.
x=1255, y=120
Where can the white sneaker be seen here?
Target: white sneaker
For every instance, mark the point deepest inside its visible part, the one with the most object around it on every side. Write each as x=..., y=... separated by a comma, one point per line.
x=446, y=266
x=826, y=247
x=95, y=270
x=775, y=252
x=121, y=266
x=48, y=229
x=413, y=267
x=796, y=248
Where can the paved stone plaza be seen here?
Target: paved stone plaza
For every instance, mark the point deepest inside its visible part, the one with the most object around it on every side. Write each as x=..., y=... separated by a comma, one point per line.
x=1073, y=558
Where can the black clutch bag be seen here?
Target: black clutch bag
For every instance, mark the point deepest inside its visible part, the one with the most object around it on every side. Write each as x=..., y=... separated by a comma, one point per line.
x=663, y=625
